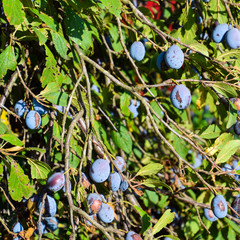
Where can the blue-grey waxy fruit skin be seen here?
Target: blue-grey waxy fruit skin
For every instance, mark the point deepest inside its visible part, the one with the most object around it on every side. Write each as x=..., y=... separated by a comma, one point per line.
x=39, y=107
x=137, y=51
x=219, y=32
x=160, y=60
x=209, y=215
x=124, y=185
x=131, y=235
x=51, y=223
x=106, y=214
x=174, y=57
x=100, y=170
x=180, y=97
x=114, y=181
x=94, y=203
x=219, y=206
x=50, y=206
x=33, y=120
x=233, y=38
x=20, y=108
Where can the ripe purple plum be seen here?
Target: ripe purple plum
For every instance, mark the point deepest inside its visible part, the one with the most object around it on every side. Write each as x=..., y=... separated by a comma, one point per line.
x=209, y=215
x=39, y=107
x=33, y=120
x=56, y=181
x=137, y=51
x=174, y=57
x=120, y=163
x=20, y=108
x=180, y=97
x=51, y=223
x=99, y=170
x=114, y=181
x=106, y=214
x=233, y=38
x=50, y=206
x=219, y=206
x=131, y=235
x=236, y=206
x=160, y=60
x=94, y=202
x=219, y=32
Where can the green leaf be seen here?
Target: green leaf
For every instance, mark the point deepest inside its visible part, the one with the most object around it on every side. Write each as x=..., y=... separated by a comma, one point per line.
x=60, y=44
x=7, y=61
x=18, y=183
x=210, y=132
x=165, y=219
x=146, y=219
x=158, y=110
x=58, y=98
x=124, y=104
x=225, y=90
x=233, y=225
x=154, y=183
x=200, y=48
x=3, y=128
x=39, y=170
x=122, y=139
x=41, y=34
x=221, y=141
x=35, y=149
x=150, y=169
x=232, y=115
x=227, y=151
x=113, y=6
x=12, y=139
x=13, y=10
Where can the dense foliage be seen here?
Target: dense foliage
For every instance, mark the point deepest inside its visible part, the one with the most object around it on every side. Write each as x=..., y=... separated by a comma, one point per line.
x=83, y=80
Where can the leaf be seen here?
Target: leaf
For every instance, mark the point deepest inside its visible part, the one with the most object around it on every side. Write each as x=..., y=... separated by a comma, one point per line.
x=146, y=219
x=41, y=34
x=18, y=183
x=60, y=44
x=58, y=98
x=124, y=104
x=153, y=183
x=227, y=151
x=233, y=225
x=165, y=219
x=225, y=90
x=232, y=115
x=3, y=128
x=39, y=170
x=200, y=48
x=12, y=139
x=150, y=169
x=13, y=10
x=7, y=61
x=113, y=6
x=210, y=132
x=122, y=139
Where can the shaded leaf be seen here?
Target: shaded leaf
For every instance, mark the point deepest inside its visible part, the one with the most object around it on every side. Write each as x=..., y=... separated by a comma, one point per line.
x=60, y=44
x=210, y=132
x=12, y=139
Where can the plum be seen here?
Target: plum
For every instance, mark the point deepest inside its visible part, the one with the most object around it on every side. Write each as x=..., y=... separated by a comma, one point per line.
x=20, y=108
x=56, y=181
x=93, y=217
x=237, y=128
x=174, y=57
x=124, y=185
x=50, y=206
x=209, y=215
x=114, y=181
x=236, y=206
x=131, y=235
x=33, y=120
x=180, y=97
x=219, y=206
x=99, y=170
x=137, y=51
x=84, y=180
x=106, y=214
x=134, y=104
x=51, y=223
x=18, y=227
x=219, y=32
x=94, y=202
x=39, y=107
x=233, y=38
x=120, y=163
x=160, y=60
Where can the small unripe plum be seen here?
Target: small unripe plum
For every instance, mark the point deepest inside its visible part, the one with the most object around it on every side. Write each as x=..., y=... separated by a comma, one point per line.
x=56, y=181
x=219, y=32
x=174, y=57
x=236, y=206
x=137, y=51
x=209, y=215
x=33, y=120
x=20, y=107
x=180, y=97
x=50, y=206
x=120, y=163
x=51, y=223
x=114, y=181
x=124, y=185
x=18, y=227
x=39, y=107
x=219, y=206
x=233, y=38
x=100, y=170
x=106, y=214
x=94, y=202
x=131, y=235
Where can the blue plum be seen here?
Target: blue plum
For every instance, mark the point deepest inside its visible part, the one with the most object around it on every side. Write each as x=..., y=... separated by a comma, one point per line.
x=84, y=180
x=134, y=104
x=137, y=51
x=50, y=206
x=237, y=128
x=209, y=215
x=20, y=108
x=94, y=202
x=206, y=1
x=160, y=60
x=174, y=57
x=219, y=206
x=18, y=227
x=124, y=185
x=33, y=120
x=235, y=165
x=39, y=107
x=51, y=223
x=62, y=109
x=236, y=206
x=180, y=97
x=56, y=181
x=199, y=20
x=106, y=214
x=43, y=228
x=236, y=102
x=95, y=88
x=114, y=181
x=233, y=38
x=198, y=160
x=219, y=32
x=93, y=217
x=120, y=163
x=131, y=235
x=99, y=170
